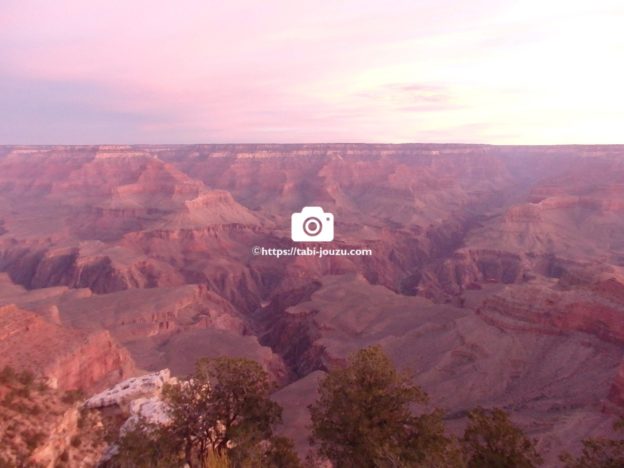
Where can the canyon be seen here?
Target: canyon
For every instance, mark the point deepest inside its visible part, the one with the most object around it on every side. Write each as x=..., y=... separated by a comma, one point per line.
x=497, y=273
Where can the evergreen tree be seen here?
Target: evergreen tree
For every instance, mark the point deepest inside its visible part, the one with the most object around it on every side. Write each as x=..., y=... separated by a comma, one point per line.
x=599, y=453
x=221, y=417
x=240, y=406
x=147, y=446
x=492, y=441
x=364, y=418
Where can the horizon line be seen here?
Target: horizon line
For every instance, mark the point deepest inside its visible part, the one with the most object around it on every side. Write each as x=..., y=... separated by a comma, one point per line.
x=328, y=143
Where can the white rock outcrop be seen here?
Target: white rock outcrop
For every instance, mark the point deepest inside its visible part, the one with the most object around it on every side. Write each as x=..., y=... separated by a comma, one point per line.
x=150, y=410
x=125, y=393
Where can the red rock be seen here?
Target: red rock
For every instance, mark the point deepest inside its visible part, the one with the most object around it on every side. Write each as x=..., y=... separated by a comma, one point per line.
x=495, y=270
x=68, y=358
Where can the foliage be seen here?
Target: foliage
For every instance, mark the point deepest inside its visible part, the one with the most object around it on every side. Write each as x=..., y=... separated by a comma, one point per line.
x=33, y=438
x=147, y=446
x=492, y=441
x=216, y=460
x=64, y=457
x=220, y=417
x=240, y=401
x=192, y=424
x=278, y=452
x=30, y=412
x=26, y=378
x=72, y=396
x=281, y=454
x=6, y=463
x=76, y=441
x=7, y=375
x=598, y=453
x=364, y=418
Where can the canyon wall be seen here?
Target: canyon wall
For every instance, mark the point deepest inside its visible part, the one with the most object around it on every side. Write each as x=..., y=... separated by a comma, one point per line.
x=495, y=270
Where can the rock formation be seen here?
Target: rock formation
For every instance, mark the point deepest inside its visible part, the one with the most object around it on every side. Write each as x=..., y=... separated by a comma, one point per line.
x=69, y=359
x=495, y=270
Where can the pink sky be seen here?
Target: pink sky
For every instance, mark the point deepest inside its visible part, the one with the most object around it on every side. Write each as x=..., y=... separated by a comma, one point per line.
x=139, y=71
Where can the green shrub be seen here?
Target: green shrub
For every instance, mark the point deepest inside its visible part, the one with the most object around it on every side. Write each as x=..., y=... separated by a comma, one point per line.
x=42, y=387
x=22, y=392
x=8, y=399
x=6, y=463
x=72, y=396
x=26, y=378
x=33, y=439
x=365, y=417
x=76, y=441
x=230, y=393
x=7, y=375
x=491, y=440
x=598, y=452
x=34, y=410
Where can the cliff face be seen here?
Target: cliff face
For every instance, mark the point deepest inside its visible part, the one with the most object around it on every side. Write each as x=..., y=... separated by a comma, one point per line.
x=496, y=270
x=58, y=438
x=98, y=361
x=558, y=371
x=146, y=217
x=558, y=311
x=40, y=426
x=69, y=359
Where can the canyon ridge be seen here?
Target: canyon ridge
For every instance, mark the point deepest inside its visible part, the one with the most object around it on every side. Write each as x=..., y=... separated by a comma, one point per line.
x=496, y=275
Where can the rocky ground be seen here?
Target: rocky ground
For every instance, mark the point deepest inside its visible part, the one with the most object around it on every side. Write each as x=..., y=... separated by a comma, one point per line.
x=44, y=427
x=497, y=275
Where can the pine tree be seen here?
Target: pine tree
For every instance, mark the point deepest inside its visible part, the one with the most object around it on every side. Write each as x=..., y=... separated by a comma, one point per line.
x=222, y=416
x=599, y=452
x=364, y=418
x=492, y=441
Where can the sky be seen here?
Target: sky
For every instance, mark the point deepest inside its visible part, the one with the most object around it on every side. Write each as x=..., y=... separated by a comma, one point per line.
x=272, y=71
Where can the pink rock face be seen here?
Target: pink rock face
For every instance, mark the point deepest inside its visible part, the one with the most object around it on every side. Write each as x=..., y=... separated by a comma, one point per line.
x=70, y=359
x=99, y=361
x=616, y=393
x=497, y=274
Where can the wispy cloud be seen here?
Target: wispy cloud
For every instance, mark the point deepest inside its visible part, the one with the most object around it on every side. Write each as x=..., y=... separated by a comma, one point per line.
x=149, y=71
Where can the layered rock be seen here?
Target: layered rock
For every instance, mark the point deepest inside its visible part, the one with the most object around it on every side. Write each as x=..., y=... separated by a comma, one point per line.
x=496, y=270
x=547, y=373
x=67, y=358
x=597, y=309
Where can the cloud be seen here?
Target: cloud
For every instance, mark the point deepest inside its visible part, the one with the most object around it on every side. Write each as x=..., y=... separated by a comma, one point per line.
x=148, y=71
x=413, y=97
